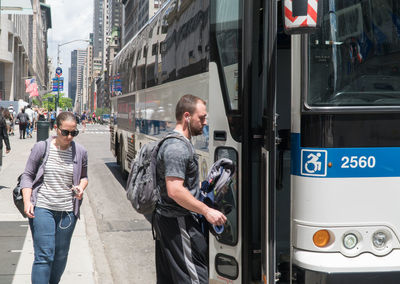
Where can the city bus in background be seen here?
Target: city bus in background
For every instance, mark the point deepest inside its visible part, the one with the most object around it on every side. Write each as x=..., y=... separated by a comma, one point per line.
x=310, y=119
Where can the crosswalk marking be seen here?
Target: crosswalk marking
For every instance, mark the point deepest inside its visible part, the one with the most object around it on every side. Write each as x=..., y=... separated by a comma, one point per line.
x=94, y=129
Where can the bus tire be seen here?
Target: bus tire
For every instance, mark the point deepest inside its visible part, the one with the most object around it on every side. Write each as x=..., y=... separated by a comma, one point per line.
x=122, y=158
x=118, y=152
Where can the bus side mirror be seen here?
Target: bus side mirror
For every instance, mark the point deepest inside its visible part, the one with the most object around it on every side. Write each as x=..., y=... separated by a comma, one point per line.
x=302, y=16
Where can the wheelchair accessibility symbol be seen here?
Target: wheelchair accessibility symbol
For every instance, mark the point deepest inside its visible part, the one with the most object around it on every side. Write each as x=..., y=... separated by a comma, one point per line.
x=314, y=162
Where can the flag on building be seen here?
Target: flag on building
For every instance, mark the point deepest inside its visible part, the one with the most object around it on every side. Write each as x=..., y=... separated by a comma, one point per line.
x=31, y=87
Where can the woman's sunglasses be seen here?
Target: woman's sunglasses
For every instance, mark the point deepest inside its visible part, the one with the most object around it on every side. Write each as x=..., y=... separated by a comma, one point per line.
x=66, y=132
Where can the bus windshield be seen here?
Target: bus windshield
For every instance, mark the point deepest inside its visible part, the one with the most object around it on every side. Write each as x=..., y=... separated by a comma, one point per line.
x=354, y=57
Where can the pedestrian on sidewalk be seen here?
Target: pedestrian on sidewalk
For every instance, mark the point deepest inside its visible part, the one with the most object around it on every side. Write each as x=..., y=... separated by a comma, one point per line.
x=23, y=120
x=83, y=120
x=53, y=183
x=52, y=115
x=29, y=128
x=13, y=116
x=3, y=136
x=7, y=116
x=181, y=249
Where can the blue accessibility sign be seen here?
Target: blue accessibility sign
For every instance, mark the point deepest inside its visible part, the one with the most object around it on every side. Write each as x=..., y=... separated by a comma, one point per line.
x=314, y=162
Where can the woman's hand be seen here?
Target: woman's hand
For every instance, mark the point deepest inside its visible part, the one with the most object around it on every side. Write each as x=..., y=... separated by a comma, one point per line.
x=28, y=206
x=29, y=209
x=78, y=192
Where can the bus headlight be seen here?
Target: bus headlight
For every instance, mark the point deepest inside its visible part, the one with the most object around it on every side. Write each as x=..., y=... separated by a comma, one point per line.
x=379, y=239
x=350, y=241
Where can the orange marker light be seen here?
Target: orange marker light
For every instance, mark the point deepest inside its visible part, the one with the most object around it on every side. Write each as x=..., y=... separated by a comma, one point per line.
x=321, y=238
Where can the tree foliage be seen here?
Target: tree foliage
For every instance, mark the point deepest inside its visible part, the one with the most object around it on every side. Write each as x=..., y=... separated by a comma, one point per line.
x=49, y=101
x=100, y=111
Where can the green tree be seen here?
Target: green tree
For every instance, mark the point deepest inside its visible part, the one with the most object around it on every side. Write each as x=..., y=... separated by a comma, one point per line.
x=65, y=103
x=100, y=111
x=36, y=102
x=49, y=101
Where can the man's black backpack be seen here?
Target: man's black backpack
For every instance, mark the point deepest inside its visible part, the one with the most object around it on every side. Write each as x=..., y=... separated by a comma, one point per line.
x=22, y=119
x=141, y=187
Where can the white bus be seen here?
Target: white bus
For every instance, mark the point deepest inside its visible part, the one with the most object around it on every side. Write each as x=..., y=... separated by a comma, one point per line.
x=310, y=120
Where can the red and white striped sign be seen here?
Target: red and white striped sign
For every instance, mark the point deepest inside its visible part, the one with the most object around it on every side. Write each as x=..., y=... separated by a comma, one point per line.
x=300, y=22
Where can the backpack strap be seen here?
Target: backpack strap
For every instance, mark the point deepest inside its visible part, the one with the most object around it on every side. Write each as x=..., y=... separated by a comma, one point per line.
x=180, y=137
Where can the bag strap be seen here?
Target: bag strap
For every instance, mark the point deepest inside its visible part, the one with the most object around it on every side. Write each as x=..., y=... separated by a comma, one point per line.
x=41, y=162
x=44, y=153
x=180, y=137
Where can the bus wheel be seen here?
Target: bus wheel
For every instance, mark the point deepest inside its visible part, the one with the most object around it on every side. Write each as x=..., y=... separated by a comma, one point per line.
x=122, y=156
x=118, y=153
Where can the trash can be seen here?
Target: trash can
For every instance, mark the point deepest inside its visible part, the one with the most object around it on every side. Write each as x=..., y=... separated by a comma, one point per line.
x=42, y=130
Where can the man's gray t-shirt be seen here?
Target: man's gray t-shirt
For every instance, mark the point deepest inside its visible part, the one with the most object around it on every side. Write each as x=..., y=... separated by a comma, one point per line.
x=175, y=159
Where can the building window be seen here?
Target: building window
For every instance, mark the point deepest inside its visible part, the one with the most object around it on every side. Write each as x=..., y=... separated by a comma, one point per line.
x=10, y=42
x=154, y=49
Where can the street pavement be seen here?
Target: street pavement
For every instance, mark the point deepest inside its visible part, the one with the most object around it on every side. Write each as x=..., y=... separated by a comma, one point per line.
x=111, y=243
x=121, y=239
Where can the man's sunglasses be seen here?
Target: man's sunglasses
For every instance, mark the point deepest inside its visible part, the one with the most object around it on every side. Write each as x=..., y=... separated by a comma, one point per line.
x=66, y=132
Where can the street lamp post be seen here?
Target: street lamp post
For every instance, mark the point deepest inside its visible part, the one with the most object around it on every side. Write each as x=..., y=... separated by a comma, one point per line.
x=58, y=64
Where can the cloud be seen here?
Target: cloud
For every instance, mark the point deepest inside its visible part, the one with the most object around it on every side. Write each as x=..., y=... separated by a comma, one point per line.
x=71, y=20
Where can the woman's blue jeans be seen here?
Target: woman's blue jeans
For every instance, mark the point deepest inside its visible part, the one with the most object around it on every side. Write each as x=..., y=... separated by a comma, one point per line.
x=51, y=234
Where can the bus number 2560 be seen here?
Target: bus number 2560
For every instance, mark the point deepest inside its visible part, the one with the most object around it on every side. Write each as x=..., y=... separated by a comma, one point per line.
x=358, y=162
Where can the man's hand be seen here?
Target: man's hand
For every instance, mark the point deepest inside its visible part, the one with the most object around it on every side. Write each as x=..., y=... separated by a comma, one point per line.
x=8, y=151
x=215, y=217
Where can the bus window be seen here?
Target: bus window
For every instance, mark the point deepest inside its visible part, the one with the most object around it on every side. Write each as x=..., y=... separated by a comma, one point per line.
x=168, y=50
x=352, y=58
x=226, y=29
x=192, y=27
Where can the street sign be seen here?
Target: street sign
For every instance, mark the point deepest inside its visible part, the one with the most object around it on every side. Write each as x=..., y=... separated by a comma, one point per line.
x=58, y=84
x=58, y=71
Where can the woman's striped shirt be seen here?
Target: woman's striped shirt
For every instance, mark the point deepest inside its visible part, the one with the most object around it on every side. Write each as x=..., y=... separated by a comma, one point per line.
x=55, y=193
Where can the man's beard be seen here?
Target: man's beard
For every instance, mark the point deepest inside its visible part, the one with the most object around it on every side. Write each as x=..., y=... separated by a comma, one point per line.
x=194, y=131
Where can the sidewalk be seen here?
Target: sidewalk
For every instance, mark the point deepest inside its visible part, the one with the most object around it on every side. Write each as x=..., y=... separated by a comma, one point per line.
x=16, y=248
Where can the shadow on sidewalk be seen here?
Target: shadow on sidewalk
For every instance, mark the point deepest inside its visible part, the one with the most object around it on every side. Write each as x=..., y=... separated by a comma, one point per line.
x=115, y=170
x=12, y=238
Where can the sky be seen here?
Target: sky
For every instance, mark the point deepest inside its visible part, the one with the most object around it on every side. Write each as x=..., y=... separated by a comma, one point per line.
x=70, y=20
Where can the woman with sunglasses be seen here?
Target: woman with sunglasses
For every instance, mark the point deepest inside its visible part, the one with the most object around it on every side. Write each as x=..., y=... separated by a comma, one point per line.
x=53, y=182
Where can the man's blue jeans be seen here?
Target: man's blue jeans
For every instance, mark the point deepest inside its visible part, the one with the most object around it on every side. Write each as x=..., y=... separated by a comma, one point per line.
x=51, y=233
x=29, y=128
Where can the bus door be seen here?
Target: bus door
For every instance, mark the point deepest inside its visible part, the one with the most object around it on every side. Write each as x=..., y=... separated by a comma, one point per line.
x=262, y=251
x=271, y=107
x=274, y=99
x=249, y=59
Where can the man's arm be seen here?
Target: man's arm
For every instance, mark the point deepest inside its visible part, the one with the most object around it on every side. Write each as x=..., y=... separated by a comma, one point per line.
x=182, y=196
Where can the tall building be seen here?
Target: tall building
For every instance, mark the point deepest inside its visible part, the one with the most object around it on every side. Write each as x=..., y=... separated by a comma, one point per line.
x=23, y=42
x=77, y=64
x=73, y=72
x=136, y=14
x=98, y=28
x=113, y=29
x=87, y=79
